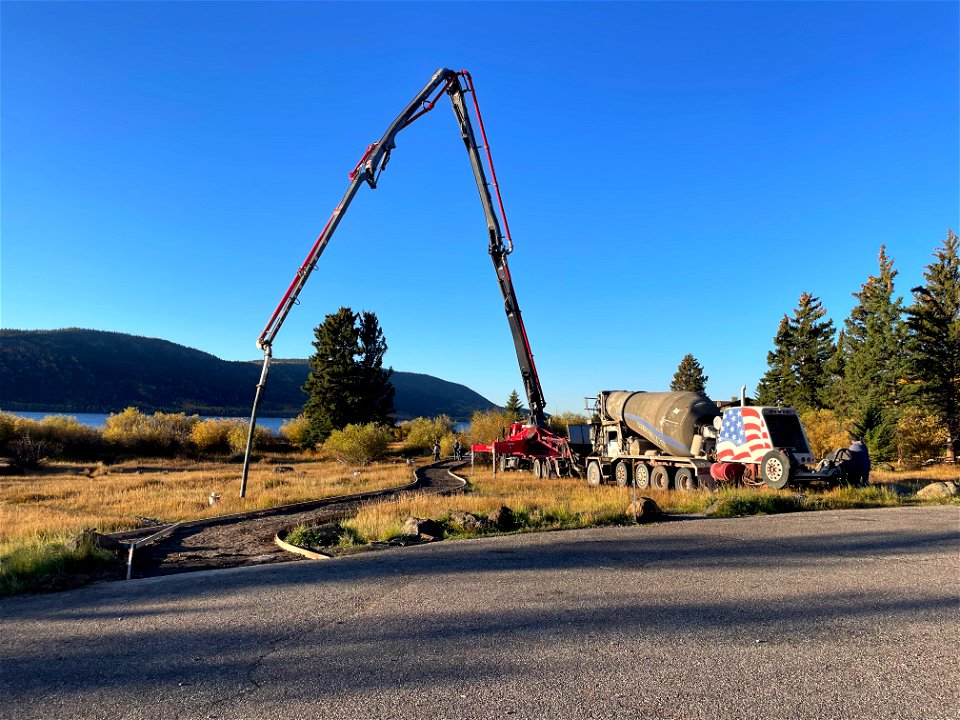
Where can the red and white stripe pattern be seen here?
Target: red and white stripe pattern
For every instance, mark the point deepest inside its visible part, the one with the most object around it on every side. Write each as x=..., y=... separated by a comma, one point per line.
x=743, y=436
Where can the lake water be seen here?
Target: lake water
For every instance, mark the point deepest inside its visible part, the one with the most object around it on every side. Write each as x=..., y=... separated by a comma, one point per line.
x=99, y=420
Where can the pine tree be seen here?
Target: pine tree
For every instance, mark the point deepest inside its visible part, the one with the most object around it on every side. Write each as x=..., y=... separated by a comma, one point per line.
x=689, y=376
x=799, y=365
x=872, y=350
x=375, y=387
x=813, y=349
x=872, y=344
x=347, y=383
x=513, y=410
x=776, y=385
x=934, y=345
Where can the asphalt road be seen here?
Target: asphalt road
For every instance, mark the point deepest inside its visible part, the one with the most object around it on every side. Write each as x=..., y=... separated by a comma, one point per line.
x=816, y=615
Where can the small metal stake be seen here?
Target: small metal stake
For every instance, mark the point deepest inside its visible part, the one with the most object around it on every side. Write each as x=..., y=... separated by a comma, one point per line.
x=130, y=560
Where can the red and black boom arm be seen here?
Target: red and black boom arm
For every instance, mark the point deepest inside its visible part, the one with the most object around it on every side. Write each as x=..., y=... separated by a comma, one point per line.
x=368, y=170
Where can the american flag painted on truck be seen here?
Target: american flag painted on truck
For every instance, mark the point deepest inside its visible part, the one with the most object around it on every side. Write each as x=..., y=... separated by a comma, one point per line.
x=743, y=436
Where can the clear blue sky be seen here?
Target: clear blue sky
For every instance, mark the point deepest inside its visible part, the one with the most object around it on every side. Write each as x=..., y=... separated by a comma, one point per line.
x=675, y=175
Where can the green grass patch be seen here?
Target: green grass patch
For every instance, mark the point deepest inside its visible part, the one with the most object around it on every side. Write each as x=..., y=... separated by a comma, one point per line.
x=50, y=564
x=740, y=502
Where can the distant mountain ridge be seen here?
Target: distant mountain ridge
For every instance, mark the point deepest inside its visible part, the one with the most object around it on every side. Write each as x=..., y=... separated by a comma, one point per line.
x=77, y=370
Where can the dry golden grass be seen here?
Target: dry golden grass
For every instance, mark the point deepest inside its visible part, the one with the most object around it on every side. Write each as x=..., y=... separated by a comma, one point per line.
x=934, y=473
x=569, y=502
x=65, y=498
x=548, y=504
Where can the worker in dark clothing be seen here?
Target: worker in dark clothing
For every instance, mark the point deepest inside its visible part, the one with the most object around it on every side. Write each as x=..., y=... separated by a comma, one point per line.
x=457, y=449
x=857, y=465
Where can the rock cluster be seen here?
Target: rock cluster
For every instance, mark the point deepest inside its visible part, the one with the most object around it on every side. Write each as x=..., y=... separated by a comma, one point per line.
x=647, y=510
x=939, y=489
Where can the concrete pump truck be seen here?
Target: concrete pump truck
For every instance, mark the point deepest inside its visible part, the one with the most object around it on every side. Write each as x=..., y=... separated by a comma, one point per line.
x=532, y=437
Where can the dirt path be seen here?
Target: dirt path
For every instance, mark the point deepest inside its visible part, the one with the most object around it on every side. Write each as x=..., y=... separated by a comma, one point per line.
x=249, y=541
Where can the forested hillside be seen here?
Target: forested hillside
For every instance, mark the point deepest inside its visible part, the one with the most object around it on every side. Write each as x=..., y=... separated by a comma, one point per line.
x=94, y=371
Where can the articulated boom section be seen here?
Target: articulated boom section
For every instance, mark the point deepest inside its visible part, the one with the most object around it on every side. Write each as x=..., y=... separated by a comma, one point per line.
x=368, y=170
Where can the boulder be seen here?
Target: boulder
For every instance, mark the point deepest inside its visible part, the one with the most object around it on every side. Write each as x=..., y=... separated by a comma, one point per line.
x=647, y=510
x=939, y=489
x=423, y=529
x=502, y=518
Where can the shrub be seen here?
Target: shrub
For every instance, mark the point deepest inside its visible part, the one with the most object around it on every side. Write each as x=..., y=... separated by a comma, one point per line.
x=558, y=423
x=162, y=433
x=877, y=428
x=358, y=444
x=825, y=431
x=238, y=432
x=920, y=436
x=72, y=437
x=54, y=435
x=485, y=427
x=297, y=432
x=313, y=537
x=422, y=433
x=29, y=453
x=8, y=427
x=211, y=435
x=174, y=428
x=447, y=441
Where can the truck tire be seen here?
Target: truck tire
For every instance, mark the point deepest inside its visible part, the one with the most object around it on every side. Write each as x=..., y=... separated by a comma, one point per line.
x=685, y=480
x=546, y=469
x=641, y=476
x=660, y=477
x=537, y=468
x=621, y=473
x=594, y=474
x=775, y=470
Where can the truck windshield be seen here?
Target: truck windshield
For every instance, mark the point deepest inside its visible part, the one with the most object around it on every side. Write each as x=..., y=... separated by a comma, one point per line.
x=786, y=432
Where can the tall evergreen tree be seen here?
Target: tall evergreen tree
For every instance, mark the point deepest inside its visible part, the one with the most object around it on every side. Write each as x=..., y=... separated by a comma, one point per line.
x=513, y=410
x=934, y=344
x=347, y=383
x=873, y=366
x=799, y=365
x=689, y=376
x=872, y=344
x=776, y=385
x=375, y=387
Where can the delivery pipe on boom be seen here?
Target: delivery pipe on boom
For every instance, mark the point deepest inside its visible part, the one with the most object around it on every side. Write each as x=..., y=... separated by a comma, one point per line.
x=373, y=162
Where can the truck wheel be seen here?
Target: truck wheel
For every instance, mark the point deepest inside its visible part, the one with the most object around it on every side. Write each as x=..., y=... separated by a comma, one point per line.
x=775, y=470
x=537, y=468
x=685, y=480
x=594, y=475
x=621, y=473
x=641, y=476
x=546, y=468
x=660, y=477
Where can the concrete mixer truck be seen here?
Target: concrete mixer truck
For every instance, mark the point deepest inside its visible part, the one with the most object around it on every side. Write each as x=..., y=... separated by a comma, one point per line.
x=683, y=440
x=664, y=440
